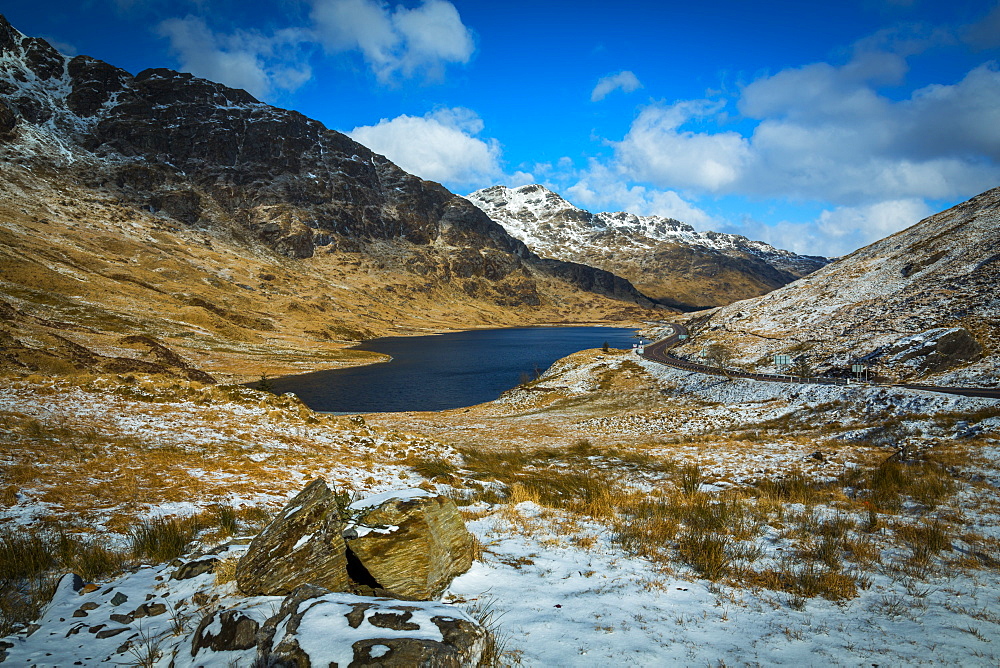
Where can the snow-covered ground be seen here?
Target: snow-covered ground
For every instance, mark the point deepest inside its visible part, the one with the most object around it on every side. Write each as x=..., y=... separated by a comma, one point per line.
x=564, y=605
x=565, y=590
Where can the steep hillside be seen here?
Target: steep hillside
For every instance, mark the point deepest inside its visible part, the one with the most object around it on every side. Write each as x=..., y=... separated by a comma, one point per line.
x=665, y=258
x=161, y=205
x=922, y=303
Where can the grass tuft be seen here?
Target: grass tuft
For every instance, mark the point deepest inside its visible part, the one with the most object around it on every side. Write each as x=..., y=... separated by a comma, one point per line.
x=888, y=485
x=495, y=654
x=163, y=538
x=706, y=553
x=29, y=566
x=227, y=519
x=434, y=468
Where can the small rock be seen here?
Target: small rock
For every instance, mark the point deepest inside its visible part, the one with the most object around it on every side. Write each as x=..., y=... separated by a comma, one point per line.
x=148, y=610
x=193, y=569
x=119, y=598
x=122, y=619
x=225, y=631
x=154, y=609
x=110, y=633
x=75, y=629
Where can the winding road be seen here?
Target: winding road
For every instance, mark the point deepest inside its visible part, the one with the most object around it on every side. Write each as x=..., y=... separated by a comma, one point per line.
x=658, y=352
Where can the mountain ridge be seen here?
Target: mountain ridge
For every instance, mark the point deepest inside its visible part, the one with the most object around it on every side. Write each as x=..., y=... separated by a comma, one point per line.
x=669, y=260
x=180, y=172
x=920, y=304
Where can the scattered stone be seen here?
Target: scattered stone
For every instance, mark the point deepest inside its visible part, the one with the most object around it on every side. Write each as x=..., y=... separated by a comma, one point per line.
x=148, y=610
x=411, y=543
x=84, y=609
x=225, y=631
x=122, y=619
x=75, y=629
x=110, y=633
x=193, y=569
x=119, y=598
x=304, y=544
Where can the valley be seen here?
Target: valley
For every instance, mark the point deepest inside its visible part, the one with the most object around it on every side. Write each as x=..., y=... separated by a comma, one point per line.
x=170, y=245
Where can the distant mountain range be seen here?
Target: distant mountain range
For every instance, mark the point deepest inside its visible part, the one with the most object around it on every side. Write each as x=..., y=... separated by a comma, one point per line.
x=666, y=259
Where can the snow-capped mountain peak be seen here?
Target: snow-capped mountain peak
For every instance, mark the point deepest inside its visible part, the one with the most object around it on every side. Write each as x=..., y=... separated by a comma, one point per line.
x=553, y=227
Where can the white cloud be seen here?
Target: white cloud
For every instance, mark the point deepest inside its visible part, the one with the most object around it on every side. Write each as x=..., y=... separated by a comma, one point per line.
x=840, y=230
x=625, y=81
x=601, y=189
x=395, y=42
x=260, y=64
x=65, y=48
x=826, y=134
x=658, y=151
x=440, y=146
x=822, y=133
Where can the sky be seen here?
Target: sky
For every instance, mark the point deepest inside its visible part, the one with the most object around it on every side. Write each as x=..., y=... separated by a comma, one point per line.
x=817, y=127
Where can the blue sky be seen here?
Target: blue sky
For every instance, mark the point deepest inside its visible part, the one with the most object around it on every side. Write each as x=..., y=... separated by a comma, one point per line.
x=818, y=127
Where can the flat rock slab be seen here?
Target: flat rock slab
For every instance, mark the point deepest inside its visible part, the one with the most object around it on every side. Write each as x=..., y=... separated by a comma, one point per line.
x=314, y=628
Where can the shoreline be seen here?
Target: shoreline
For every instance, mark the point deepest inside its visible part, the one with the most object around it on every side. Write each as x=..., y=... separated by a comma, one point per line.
x=406, y=332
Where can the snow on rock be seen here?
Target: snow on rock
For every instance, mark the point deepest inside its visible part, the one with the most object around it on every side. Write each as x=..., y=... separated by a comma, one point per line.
x=402, y=495
x=665, y=258
x=148, y=618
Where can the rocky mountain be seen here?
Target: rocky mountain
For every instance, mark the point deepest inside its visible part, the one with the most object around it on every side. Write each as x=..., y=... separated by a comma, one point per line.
x=920, y=304
x=163, y=204
x=665, y=258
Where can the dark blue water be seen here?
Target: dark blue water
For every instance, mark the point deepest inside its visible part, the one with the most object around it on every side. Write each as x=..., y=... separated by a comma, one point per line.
x=431, y=373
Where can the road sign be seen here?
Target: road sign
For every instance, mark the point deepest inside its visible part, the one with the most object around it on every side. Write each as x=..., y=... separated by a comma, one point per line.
x=858, y=368
x=682, y=336
x=782, y=360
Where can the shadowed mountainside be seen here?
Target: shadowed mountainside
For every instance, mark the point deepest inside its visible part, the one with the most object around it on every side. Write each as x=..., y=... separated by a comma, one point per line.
x=238, y=222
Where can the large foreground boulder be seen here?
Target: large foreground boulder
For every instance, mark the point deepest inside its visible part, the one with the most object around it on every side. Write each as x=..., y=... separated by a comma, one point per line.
x=412, y=543
x=407, y=544
x=304, y=544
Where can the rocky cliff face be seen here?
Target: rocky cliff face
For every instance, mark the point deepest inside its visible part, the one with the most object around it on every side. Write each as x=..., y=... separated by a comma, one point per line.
x=216, y=158
x=135, y=199
x=665, y=258
x=920, y=304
